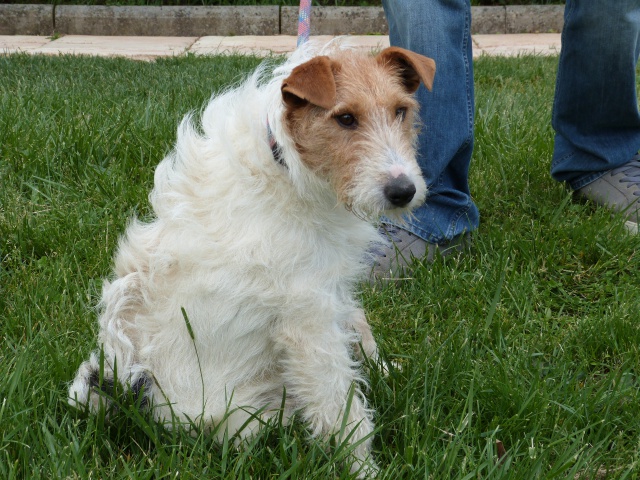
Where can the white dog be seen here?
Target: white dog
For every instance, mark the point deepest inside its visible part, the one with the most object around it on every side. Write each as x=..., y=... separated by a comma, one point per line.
x=242, y=287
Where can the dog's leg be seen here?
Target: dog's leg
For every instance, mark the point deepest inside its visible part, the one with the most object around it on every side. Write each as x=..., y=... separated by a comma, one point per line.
x=114, y=365
x=363, y=329
x=81, y=391
x=369, y=347
x=321, y=376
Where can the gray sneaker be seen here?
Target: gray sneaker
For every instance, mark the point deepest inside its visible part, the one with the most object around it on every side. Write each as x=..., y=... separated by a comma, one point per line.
x=393, y=260
x=618, y=190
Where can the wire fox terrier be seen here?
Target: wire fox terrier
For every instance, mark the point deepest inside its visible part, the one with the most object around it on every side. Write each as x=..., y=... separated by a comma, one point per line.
x=242, y=287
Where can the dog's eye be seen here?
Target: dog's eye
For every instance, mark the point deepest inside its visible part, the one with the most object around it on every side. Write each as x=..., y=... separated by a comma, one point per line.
x=347, y=120
x=401, y=113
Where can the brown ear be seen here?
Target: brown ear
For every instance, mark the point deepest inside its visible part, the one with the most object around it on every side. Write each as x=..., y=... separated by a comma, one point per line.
x=311, y=82
x=413, y=67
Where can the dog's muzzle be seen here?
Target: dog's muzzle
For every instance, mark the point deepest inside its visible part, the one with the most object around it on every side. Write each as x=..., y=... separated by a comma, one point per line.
x=399, y=190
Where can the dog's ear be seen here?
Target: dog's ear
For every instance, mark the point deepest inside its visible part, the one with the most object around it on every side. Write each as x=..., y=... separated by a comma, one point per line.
x=311, y=82
x=413, y=67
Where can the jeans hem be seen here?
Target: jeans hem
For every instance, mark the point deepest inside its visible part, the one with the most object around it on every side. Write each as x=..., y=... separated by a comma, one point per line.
x=585, y=180
x=413, y=227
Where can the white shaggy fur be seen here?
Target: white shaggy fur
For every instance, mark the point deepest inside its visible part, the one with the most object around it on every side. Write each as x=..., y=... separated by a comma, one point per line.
x=263, y=259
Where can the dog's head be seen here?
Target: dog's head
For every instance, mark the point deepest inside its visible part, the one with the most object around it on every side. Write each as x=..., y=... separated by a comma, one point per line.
x=353, y=120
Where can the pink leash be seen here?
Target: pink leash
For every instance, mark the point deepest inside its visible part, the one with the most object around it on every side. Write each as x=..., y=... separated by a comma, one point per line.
x=304, y=21
x=304, y=28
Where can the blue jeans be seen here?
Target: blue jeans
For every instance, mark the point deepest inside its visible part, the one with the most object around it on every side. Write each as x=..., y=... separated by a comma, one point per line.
x=595, y=112
x=441, y=29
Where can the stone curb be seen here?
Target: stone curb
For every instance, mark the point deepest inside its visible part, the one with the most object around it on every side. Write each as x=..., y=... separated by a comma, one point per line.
x=26, y=19
x=337, y=21
x=248, y=20
x=167, y=21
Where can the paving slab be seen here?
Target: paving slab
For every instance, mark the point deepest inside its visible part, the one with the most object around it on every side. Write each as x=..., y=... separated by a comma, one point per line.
x=277, y=44
x=139, y=48
x=147, y=48
x=372, y=43
x=515, y=45
x=21, y=43
x=245, y=45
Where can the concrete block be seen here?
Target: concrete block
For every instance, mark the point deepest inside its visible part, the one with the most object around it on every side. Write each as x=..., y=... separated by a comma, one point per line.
x=337, y=21
x=244, y=45
x=26, y=19
x=139, y=48
x=517, y=44
x=167, y=21
x=535, y=19
x=21, y=43
x=486, y=20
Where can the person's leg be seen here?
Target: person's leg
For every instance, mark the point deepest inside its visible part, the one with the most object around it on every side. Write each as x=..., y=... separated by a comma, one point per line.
x=595, y=112
x=441, y=29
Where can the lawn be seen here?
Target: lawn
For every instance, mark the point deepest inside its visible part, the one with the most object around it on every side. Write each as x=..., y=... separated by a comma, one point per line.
x=530, y=343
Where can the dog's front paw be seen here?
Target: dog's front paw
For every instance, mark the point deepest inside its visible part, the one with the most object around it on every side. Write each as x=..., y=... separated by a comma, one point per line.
x=369, y=348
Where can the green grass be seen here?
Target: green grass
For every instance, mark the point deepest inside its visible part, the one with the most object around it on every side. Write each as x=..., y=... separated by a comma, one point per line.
x=532, y=339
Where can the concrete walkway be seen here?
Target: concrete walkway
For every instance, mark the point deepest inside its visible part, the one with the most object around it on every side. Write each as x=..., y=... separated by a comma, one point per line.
x=148, y=48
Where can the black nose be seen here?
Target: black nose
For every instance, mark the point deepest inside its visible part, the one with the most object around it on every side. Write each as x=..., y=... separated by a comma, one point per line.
x=399, y=190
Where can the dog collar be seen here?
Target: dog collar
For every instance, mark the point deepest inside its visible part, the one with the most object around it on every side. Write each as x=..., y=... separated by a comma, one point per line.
x=276, y=150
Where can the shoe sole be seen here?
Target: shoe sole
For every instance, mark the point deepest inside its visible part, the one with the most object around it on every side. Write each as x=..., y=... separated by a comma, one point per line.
x=632, y=227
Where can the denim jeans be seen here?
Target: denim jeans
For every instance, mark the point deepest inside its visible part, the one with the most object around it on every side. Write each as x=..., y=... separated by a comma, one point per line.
x=595, y=112
x=441, y=29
